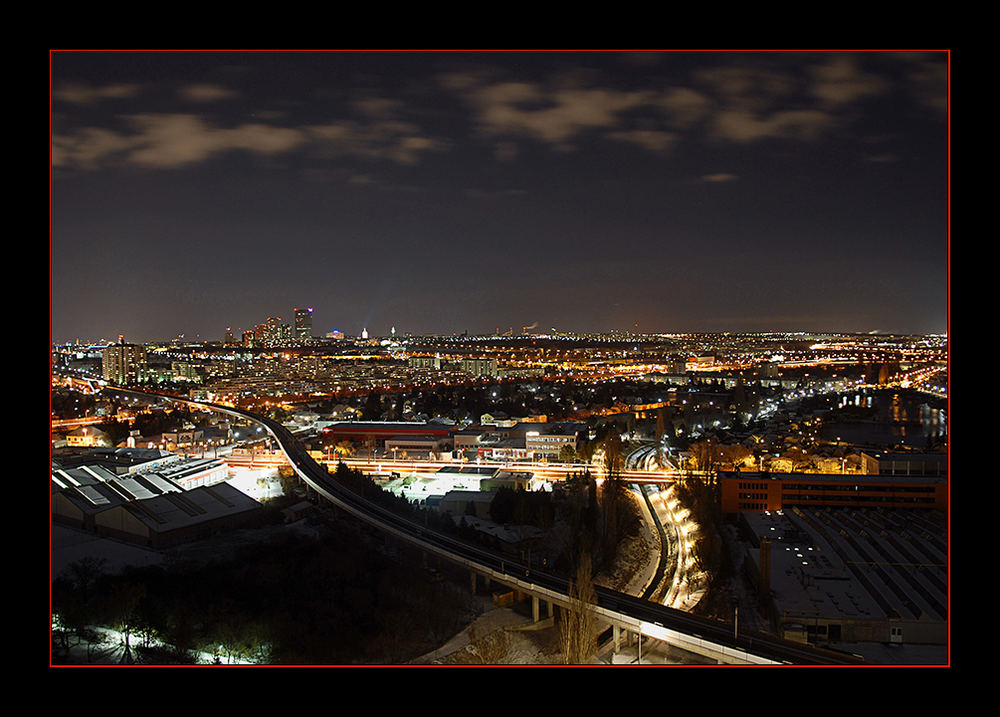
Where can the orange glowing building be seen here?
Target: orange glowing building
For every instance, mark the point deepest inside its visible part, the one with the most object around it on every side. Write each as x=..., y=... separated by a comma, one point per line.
x=746, y=492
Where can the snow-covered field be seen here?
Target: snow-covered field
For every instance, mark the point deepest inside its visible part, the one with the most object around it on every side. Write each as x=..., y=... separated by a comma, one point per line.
x=420, y=486
x=258, y=483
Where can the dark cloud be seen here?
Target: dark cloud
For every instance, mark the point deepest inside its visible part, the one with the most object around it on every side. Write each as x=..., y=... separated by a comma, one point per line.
x=719, y=177
x=841, y=81
x=79, y=93
x=207, y=93
x=167, y=141
x=470, y=190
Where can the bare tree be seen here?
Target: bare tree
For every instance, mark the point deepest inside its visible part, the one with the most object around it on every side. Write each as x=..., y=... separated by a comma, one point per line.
x=579, y=626
x=611, y=492
x=614, y=449
x=661, y=435
x=123, y=605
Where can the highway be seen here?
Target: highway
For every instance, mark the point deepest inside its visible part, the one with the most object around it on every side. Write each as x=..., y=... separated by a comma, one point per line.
x=632, y=613
x=550, y=471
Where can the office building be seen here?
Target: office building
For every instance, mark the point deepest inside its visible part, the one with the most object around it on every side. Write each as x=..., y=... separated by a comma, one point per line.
x=271, y=333
x=303, y=325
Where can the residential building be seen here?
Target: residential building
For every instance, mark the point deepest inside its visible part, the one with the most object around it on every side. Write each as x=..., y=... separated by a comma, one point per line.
x=87, y=437
x=431, y=362
x=123, y=363
x=480, y=367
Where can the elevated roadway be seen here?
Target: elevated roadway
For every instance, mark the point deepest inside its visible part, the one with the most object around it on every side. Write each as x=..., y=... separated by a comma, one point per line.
x=705, y=637
x=552, y=471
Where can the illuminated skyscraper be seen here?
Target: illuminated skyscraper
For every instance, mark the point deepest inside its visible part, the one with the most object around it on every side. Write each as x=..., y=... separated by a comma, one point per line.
x=271, y=332
x=123, y=363
x=303, y=324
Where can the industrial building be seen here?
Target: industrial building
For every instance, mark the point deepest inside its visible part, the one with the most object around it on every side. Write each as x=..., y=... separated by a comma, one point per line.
x=179, y=502
x=467, y=502
x=904, y=464
x=743, y=492
x=549, y=439
x=118, y=460
x=840, y=575
x=379, y=431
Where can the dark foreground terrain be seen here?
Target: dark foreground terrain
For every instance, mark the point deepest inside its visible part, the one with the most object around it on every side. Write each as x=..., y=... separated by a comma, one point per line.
x=337, y=593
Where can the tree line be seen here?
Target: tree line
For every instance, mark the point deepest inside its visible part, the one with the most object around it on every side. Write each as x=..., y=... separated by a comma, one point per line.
x=292, y=600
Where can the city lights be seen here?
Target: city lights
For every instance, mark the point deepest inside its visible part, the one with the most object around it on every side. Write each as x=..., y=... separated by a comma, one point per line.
x=507, y=357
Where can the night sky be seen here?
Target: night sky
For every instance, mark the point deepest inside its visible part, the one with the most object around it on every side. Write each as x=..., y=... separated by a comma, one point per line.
x=450, y=192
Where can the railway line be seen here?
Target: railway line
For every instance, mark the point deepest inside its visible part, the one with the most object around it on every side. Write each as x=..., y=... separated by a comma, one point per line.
x=625, y=611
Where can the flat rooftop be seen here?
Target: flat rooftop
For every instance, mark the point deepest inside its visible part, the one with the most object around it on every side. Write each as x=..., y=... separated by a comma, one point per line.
x=850, y=478
x=843, y=563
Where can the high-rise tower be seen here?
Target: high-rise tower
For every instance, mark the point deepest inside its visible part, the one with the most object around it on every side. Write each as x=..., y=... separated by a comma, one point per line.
x=272, y=332
x=303, y=324
x=123, y=363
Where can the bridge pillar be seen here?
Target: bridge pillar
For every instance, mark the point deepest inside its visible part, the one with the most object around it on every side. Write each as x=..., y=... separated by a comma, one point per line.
x=616, y=633
x=534, y=608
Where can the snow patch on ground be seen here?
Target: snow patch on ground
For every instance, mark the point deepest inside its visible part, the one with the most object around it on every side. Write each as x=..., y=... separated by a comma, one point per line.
x=258, y=483
x=70, y=546
x=637, y=557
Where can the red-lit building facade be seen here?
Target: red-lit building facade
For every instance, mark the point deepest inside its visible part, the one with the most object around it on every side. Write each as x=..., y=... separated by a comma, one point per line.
x=380, y=431
x=742, y=492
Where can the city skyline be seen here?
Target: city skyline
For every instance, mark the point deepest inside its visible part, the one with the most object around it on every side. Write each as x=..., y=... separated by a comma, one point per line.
x=454, y=191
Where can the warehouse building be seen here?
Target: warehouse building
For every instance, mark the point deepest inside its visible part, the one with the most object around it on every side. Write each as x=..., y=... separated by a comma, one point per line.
x=837, y=575
x=147, y=509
